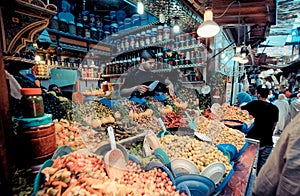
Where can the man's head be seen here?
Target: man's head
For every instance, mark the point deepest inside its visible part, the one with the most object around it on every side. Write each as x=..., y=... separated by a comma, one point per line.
x=55, y=88
x=148, y=59
x=262, y=91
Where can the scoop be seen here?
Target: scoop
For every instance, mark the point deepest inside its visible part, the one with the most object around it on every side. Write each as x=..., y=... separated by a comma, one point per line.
x=114, y=159
x=191, y=123
x=153, y=85
x=164, y=131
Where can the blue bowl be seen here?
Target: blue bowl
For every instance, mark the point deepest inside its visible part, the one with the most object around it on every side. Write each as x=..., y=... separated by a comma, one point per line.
x=228, y=148
x=159, y=165
x=39, y=178
x=197, y=184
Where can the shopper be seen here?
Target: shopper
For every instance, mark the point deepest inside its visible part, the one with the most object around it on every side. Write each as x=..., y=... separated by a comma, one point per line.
x=280, y=175
x=266, y=117
x=243, y=98
x=284, y=113
x=137, y=81
x=295, y=106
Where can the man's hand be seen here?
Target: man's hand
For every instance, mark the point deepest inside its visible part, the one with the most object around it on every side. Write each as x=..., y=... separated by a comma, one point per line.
x=171, y=90
x=142, y=89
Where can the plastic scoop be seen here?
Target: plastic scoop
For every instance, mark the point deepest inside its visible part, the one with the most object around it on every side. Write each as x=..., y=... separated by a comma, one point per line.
x=191, y=123
x=164, y=131
x=150, y=143
x=114, y=159
x=153, y=85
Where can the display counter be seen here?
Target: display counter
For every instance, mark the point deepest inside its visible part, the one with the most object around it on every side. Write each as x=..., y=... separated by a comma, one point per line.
x=241, y=182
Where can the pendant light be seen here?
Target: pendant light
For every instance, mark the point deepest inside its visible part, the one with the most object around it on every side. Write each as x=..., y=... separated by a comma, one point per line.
x=140, y=7
x=208, y=28
x=244, y=50
x=237, y=57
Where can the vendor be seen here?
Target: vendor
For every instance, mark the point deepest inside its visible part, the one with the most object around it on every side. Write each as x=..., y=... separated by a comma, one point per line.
x=136, y=82
x=56, y=89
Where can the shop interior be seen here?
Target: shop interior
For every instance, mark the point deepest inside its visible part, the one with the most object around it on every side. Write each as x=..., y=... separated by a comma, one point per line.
x=207, y=48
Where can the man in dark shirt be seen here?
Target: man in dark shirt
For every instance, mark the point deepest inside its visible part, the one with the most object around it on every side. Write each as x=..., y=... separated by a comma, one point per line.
x=266, y=117
x=137, y=81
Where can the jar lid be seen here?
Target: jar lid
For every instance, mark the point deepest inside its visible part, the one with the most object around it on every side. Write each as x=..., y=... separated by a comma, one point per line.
x=63, y=20
x=160, y=27
x=154, y=29
x=138, y=35
x=143, y=33
x=79, y=25
x=72, y=22
x=31, y=91
x=148, y=31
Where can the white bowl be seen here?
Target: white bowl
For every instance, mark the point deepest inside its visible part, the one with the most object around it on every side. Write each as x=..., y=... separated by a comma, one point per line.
x=214, y=171
x=181, y=166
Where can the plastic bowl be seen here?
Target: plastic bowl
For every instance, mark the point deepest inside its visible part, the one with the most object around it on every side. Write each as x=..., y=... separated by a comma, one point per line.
x=181, y=166
x=228, y=148
x=214, y=171
x=197, y=184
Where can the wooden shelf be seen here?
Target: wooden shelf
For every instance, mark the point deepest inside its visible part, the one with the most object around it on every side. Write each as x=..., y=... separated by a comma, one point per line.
x=19, y=59
x=162, y=43
x=93, y=79
x=112, y=75
x=190, y=47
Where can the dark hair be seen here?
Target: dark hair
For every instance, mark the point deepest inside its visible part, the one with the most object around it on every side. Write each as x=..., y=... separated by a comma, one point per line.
x=51, y=86
x=148, y=54
x=263, y=91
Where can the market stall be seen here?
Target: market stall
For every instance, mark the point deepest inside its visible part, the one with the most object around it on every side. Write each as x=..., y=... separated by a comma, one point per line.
x=214, y=160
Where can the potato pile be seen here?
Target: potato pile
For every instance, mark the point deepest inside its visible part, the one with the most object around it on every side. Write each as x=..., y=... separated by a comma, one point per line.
x=201, y=153
x=219, y=133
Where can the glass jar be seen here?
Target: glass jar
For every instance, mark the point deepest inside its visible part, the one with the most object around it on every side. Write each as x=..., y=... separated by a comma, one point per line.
x=142, y=39
x=54, y=23
x=126, y=42
x=72, y=28
x=137, y=40
x=148, y=38
x=132, y=41
x=167, y=32
x=160, y=33
x=32, y=102
x=79, y=29
x=154, y=35
x=63, y=25
x=94, y=33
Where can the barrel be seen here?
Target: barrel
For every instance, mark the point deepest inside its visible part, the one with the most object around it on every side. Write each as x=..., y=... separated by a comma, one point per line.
x=38, y=143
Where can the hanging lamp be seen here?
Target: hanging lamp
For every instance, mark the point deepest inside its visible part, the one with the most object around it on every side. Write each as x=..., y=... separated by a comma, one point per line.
x=140, y=7
x=237, y=57
x=244, y=50
x=208, y=28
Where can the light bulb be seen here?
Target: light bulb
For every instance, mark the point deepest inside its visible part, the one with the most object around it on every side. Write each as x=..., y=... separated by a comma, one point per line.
x=140, y=7
x=37, y=58
x=208, y=28
x=176, y=28
x=244, y=60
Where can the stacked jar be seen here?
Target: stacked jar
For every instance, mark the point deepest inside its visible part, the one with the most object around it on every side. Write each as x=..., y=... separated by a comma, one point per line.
x=32, y=102
x=148, y=37
x=142, y=39
x=160, y=33
x=154, y=35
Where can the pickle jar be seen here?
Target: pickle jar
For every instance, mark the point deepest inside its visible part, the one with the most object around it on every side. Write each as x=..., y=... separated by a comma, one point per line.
x=32, y=102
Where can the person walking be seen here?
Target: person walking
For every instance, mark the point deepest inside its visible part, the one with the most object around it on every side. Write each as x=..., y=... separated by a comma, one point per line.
x=284, y=113
x=280, y=175
x=266, y=117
